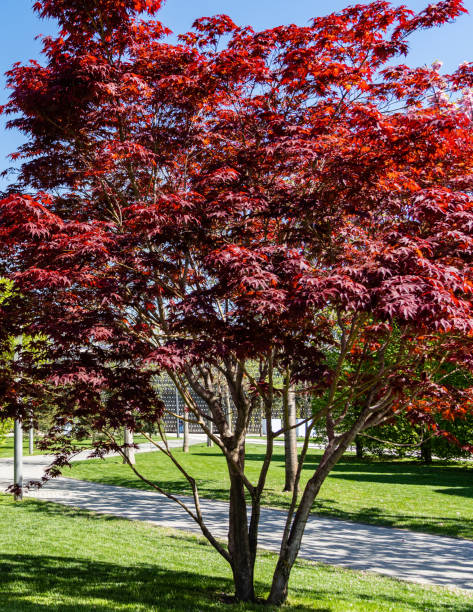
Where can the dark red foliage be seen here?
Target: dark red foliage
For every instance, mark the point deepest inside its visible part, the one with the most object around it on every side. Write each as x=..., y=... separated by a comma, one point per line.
x=279, y=178
x=285, y=201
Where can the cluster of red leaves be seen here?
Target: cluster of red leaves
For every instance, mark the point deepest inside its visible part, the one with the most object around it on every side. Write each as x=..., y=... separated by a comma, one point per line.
x=215, y=200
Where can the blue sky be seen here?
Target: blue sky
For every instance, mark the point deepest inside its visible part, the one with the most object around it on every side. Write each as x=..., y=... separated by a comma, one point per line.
x=452, y=44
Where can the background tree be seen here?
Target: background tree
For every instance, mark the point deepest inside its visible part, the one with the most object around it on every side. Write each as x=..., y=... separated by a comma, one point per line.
x=258, y=204
x=10, y=328
x=445, y=436
x=6, y=425
x=290, y=435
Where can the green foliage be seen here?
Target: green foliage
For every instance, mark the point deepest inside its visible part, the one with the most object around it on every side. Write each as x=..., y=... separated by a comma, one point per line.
x=14, y=347
x=403, y=438
x=7, y=293
x=6, y=290
x=6, y=427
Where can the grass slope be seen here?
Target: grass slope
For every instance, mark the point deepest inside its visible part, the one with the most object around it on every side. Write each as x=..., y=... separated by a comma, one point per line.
x=62, y=559
x=6, y=446
x=436, y=498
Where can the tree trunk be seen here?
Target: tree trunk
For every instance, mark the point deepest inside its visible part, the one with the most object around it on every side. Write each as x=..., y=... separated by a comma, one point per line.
x=228, y=407
x=359, y=448
x=209, y=439
x=279, y=586
x=129, y=450
x=290, y=440
x=242, y=558
x=178, y=420
x=426, y=451
x=290, y=549
x=31, y=439
x=185, y=443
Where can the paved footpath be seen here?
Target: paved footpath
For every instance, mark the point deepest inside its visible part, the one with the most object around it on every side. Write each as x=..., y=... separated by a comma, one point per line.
x=404, y=554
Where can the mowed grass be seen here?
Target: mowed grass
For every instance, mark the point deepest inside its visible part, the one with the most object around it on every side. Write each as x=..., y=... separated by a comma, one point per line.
x=67, y=560
x=434, y=498
x=6, y=446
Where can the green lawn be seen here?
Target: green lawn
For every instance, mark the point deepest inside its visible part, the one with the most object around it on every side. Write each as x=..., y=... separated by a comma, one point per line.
x=62, y=559
x=6, y=447
x=437, y=498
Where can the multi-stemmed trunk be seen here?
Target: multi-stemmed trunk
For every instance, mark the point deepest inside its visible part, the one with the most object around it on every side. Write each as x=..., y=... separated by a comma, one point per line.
x=290, y=547
x=243, y=530
x=288, y=555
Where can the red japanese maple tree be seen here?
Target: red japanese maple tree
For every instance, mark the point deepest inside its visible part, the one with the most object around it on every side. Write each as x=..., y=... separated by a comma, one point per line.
x=243, y=207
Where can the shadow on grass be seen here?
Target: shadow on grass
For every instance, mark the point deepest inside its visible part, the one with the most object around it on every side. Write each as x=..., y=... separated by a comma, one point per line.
x=171, y=581
x=454, y=485
x=394, y=471
x=69, y=584
x=51, y=510
x=41, y=582
x=438, y=525
x=408, y=471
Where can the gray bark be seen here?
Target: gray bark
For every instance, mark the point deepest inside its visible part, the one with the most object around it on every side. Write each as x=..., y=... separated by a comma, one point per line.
x=185, y=443
x=31, y=440
x=290, y=440
x=129, y=450
x=209, y=439
x=290, y=550
x=228, y=407
x=178, y=420
x=239, y=546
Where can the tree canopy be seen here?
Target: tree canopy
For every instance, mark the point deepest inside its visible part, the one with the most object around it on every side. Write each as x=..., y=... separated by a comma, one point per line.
x=248, y=206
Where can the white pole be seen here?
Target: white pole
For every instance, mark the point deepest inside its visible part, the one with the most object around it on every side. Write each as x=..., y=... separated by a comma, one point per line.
x=18, y=460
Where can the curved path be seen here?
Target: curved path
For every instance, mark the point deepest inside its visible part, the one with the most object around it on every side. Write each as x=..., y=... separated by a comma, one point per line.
x=400, y=553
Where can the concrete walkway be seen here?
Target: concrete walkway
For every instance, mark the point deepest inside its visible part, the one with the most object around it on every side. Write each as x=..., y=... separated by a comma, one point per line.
x=400, y=553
